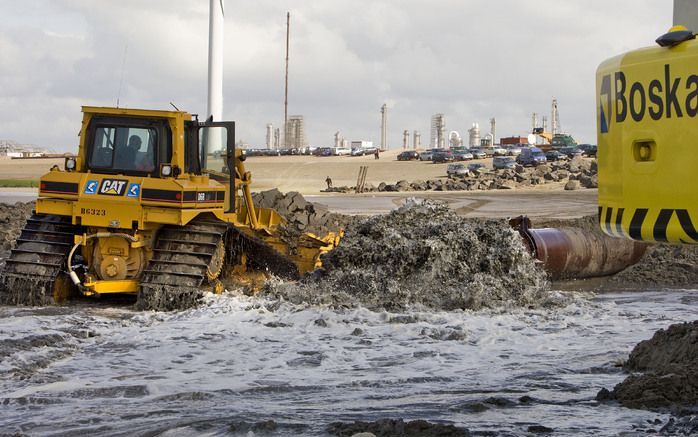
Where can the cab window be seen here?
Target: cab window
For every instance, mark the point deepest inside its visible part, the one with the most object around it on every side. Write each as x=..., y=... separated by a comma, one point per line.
x=124, y=148
x=125, y=145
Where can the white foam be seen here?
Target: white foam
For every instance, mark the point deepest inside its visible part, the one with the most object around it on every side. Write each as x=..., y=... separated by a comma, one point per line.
x=253, y=357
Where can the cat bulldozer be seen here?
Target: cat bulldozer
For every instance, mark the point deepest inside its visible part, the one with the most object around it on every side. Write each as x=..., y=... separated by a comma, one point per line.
x=647, y=126
x=155, y=204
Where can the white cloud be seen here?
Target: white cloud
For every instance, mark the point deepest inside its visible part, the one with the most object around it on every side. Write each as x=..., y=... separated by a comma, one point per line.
x=471, y=60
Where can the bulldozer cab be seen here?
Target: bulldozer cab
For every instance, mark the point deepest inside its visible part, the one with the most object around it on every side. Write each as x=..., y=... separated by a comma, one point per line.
x=136, y=144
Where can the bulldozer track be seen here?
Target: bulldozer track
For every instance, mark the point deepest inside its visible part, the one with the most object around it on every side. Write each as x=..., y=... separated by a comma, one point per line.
x=179, y=268
x=177, y=274
x=34, y=273
x=183, y=262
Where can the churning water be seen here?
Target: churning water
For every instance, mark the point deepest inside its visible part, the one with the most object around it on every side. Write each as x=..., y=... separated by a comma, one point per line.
x=242, y=365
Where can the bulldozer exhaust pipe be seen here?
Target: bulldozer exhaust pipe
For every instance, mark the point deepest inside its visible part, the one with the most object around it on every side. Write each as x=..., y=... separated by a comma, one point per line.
x=574, y=253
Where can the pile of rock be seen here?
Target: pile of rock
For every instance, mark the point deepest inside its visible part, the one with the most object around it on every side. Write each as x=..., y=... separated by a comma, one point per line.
x=300, y=215
x=578, y=173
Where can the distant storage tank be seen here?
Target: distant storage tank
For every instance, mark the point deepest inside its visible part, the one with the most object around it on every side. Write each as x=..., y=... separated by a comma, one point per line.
x=454, y=139
x=405, y=139
x=417, y=140
x=474, y=136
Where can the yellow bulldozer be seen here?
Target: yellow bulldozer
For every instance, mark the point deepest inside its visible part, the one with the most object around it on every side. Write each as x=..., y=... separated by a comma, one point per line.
x=155, y=204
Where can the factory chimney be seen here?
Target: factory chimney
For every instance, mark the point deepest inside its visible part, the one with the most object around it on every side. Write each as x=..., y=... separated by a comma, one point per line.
x=384, y=127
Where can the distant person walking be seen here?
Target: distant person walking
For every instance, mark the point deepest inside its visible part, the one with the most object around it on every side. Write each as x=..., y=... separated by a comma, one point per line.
x=375, y=154
x=329, y=182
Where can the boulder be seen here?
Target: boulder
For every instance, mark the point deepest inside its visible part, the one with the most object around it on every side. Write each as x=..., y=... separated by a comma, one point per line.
x=402, y=185
x=506, y=185
x=572, y=185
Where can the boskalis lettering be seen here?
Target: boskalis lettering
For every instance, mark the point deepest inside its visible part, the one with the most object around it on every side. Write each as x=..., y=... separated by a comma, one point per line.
x=112, y=187
x=665, y=96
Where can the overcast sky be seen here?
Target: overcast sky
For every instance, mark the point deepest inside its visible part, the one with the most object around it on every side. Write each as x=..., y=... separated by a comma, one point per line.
x=469, y=59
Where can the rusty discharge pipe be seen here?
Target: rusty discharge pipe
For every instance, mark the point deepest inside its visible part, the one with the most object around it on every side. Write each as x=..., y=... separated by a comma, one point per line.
x=575, y=253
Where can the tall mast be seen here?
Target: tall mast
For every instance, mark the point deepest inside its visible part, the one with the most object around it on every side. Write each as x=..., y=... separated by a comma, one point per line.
x=288, y=26
x=215, y=68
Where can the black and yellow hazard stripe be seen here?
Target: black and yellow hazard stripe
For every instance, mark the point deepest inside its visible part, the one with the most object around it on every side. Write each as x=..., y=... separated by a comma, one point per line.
x=649, y=225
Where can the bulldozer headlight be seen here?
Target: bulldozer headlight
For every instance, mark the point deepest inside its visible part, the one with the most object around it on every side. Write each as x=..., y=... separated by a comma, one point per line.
x=70, y=164
x=166, y=170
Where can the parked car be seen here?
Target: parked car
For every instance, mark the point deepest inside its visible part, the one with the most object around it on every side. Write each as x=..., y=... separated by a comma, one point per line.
x=341, y=151
x=503, y=162
x=531, y=156
x=555, y=155
x=499, y=151
x=361, y=151
x=323, y=151
x=588, y=149
x=513, y=150
x=476, y=166
x=462, y=155
x=456, y=170
x=426, y=155
x=478, y=154
x=408, y=155
x=442, y=156
x=571, y=152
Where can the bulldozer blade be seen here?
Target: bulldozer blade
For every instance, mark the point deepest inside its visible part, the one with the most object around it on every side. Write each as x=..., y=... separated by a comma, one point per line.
x=262, y=255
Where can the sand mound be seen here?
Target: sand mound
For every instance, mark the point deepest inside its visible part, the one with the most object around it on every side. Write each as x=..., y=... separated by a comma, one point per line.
x=669, y=362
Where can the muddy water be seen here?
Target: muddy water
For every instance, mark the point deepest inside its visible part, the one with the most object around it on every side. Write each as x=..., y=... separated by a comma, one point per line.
x=239, y=364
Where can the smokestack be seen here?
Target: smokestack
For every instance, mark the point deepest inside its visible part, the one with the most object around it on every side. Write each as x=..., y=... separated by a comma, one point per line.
x=270, y=136
x=384, y=127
